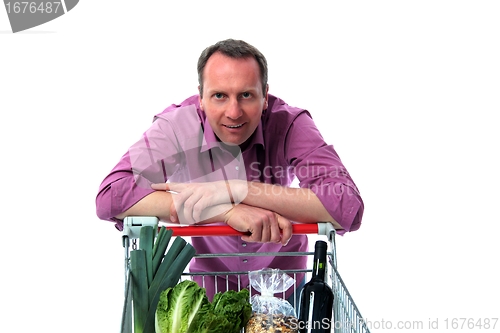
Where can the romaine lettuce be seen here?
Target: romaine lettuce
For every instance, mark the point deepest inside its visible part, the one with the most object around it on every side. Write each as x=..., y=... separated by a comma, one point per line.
x=185, y=308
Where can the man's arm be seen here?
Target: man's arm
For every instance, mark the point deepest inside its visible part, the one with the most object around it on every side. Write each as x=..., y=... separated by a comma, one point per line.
x=159, y=204
x=297, y=204
x=155, y=204
x=262, y=225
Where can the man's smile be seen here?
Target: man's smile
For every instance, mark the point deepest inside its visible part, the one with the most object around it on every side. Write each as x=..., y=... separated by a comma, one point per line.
x=233, y=126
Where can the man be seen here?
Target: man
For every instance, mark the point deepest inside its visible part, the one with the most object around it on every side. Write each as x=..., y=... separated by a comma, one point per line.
x=229, y=155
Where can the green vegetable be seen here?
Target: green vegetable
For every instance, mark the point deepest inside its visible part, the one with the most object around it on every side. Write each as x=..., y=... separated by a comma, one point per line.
x=168, y=281
x=153, y=271
x=160, y=246
x=185, y=308
x=146, y=240
x=206, y=321
x=139, y=288
x=167, y=263
x=178, y=306
x=234, y=306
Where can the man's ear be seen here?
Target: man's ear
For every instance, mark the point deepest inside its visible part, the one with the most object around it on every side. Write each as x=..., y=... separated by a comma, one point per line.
x=199, y=98
x=266, y=97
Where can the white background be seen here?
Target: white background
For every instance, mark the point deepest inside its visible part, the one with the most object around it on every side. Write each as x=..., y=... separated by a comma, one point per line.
x=406, y=91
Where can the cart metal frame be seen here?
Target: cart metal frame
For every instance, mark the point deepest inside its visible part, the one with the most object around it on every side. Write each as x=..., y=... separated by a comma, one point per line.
x=347, y=317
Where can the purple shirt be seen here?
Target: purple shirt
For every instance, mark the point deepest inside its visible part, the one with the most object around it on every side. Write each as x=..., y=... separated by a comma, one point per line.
x=180, y=146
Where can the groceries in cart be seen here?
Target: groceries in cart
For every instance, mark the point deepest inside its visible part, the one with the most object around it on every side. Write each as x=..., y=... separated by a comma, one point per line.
x=270, y=313
x=164, y=304
x=159, y=292
x=185, y=308
x=154, y=269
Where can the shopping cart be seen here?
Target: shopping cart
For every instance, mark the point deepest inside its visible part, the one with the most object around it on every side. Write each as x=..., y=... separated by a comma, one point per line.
x=347, y=317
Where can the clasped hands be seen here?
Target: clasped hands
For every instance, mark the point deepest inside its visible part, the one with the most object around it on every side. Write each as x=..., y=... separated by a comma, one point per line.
x=193, y=203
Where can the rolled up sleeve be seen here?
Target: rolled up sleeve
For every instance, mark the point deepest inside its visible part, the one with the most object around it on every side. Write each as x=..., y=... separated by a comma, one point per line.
x=150, y=160
x=318, y=167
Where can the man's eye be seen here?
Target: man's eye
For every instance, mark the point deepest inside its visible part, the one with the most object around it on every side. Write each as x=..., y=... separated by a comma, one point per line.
x=218, y=95
x=245, y=95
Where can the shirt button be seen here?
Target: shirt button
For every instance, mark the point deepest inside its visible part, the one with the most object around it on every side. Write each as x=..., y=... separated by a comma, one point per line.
x=244, y=244
x=245, y=260
x=237, y=168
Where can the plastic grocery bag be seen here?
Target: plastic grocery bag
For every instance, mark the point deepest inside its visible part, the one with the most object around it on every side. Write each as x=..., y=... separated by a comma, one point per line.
x=268, y=310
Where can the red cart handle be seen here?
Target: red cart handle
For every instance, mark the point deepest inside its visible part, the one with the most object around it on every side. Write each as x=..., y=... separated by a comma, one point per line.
x=133, y=224
x=225, y=230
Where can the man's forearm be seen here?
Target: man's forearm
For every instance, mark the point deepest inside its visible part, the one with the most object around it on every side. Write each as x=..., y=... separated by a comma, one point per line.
x=154, y=204
x=159, y=203
x=296, y=204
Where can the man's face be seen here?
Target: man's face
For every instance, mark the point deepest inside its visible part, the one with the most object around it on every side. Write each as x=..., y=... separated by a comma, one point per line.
x=232, y=97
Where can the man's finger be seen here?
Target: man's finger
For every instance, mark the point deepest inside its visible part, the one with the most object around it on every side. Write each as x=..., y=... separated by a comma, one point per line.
x=171, y=187
x=286, y=230
x=160, y=186
x=267, y=233
x=255, y=235
x=173, y=214
x=274, y=229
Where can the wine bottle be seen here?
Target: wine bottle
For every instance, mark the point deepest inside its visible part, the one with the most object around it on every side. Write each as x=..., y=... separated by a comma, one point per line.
x=316, y=297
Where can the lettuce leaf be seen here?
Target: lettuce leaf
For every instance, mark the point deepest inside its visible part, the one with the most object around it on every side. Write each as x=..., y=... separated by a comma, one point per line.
x=178, y=306
x=185, y=308
x=234, y=306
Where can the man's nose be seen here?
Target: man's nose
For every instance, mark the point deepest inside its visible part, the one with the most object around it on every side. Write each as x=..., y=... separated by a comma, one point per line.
x=233, y=110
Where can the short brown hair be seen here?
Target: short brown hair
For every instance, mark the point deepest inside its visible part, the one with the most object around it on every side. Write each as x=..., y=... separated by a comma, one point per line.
x=233, y=49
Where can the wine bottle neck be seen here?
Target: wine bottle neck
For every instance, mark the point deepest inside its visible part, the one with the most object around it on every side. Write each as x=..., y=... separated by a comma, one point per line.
x=319, y=264
x=319, y=270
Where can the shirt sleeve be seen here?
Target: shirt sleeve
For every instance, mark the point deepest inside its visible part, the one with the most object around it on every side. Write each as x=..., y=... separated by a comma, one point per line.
x=318, y=167
x=150, y=160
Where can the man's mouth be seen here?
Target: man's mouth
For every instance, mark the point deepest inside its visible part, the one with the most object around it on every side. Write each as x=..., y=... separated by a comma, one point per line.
x=234, y=126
